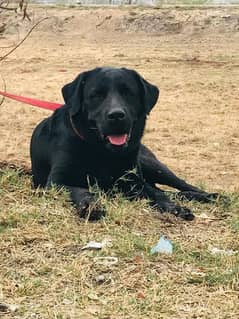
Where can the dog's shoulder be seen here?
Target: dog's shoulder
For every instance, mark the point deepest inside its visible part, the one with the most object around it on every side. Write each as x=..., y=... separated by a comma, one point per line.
x=55, y=123
x=58, y=118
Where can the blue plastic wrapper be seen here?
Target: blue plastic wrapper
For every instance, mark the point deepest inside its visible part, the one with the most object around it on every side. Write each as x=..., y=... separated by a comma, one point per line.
x=163, y=246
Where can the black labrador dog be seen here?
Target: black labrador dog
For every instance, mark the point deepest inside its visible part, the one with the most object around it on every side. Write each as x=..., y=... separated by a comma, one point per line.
x=96, y=138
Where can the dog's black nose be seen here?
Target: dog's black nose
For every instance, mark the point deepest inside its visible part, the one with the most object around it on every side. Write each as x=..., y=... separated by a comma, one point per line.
x=116, y=115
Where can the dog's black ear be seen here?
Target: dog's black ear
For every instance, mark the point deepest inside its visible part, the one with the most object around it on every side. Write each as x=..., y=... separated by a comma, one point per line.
x=73, y=93
x=151, y=94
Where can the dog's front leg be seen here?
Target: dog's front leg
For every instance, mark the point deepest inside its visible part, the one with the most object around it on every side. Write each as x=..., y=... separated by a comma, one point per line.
x=160, y=201
x=133, y=186
x=85, y=202
x=156, y=172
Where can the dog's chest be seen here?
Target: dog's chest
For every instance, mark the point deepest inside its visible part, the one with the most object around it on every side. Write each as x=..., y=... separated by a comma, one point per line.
x=88, y=165
x=107, y=172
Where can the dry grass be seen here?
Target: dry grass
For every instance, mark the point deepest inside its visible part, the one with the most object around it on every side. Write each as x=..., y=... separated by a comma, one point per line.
x=45, y=272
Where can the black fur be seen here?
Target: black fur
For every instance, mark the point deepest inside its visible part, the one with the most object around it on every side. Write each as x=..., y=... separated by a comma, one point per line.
x=76, y=146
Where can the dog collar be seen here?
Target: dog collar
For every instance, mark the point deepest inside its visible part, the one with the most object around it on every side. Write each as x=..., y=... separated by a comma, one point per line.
x=79, y=134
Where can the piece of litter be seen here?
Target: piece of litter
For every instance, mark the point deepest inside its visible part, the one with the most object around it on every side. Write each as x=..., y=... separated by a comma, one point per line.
x=227, y=252
x=102, y=279
x=106, y=261
x=163, y=246
x=203, y=215
x=6, y=308
x=93, y=296
x=93, y=245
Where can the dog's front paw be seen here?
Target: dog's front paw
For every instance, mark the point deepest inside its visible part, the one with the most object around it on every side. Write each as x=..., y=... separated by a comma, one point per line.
x=92, y=212
x=178, y=211
x=88, y=208
x=202, y=197
x=183, y=212
x=86, y=204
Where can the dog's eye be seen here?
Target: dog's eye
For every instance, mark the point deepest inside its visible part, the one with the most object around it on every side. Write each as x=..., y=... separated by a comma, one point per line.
x=126, y=91
x=96, y=95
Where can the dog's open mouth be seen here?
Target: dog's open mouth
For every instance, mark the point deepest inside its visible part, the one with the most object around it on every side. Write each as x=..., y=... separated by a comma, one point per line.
x=113, y=139
x=118, y=140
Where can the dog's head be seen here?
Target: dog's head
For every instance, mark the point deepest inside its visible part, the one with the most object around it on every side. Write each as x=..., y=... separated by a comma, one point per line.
x=110, y=105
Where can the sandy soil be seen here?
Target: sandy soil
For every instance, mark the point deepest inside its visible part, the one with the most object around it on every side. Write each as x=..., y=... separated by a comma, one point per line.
x=191, y=54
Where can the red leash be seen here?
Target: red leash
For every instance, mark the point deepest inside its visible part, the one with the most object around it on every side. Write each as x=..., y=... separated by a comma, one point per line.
x=43, y=104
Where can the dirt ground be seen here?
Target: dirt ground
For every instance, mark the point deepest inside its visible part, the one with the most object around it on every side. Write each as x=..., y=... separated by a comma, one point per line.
x=190, y=53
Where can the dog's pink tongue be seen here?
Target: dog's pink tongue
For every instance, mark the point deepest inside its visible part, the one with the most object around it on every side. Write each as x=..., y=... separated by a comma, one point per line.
x=118, y=139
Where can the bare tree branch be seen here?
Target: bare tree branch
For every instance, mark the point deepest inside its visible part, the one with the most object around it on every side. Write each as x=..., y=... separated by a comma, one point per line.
x=4, y=90
x=26, y=36
x=22, y=5
x=6, y=8
x=24, y=9
x=6, y=3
